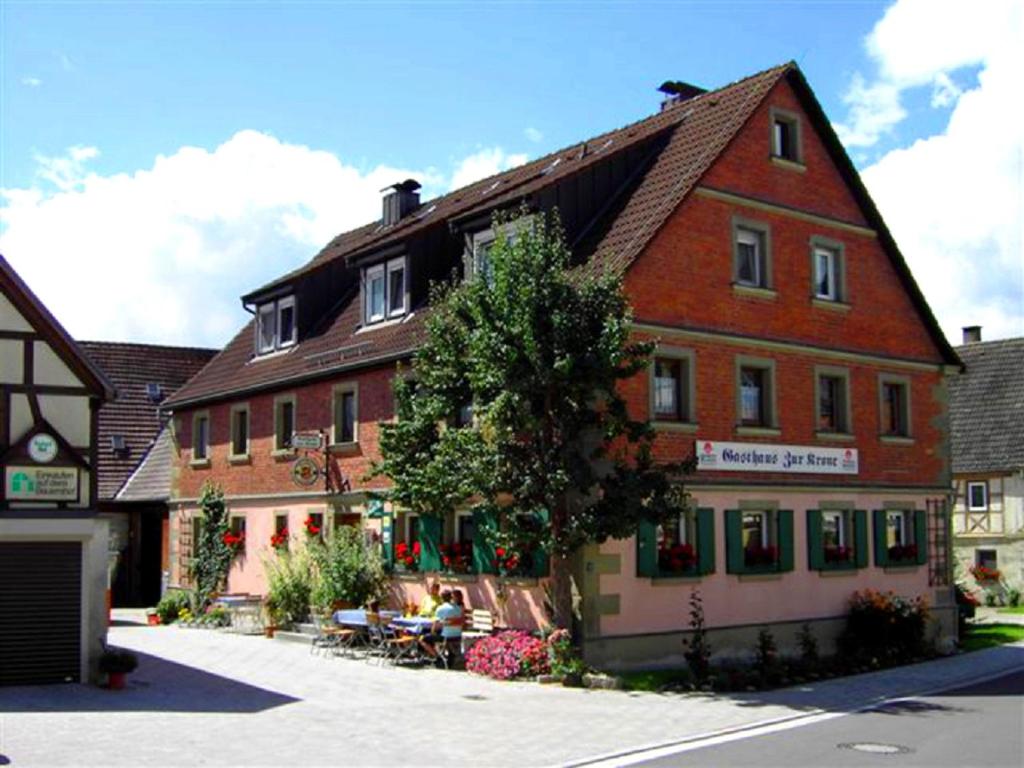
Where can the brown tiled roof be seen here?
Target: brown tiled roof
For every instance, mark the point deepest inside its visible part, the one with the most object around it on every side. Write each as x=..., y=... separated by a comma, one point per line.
x=987, y=408
x=693, y=134
x=151, y=480
x=132, y=414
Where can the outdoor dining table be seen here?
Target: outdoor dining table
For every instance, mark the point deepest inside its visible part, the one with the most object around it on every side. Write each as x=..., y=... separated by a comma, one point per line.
x=414, y=625
x=356, y=617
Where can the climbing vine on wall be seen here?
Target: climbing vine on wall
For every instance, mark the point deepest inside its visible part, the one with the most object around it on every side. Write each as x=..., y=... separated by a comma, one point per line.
x=212, y=555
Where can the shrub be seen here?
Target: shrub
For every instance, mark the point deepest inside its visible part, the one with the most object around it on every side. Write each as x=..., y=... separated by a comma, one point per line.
x=1012, y=597
x=508, y=655
x=698, y=650
x=347, y=569
x=809, y=657
x=766, y=654
x=884, y=626
x=171, y=604
x=289, y=584
x=117, y=661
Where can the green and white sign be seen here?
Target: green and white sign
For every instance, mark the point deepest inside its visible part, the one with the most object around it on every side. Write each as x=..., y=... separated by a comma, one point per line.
x=42, y=448
x=41, y=483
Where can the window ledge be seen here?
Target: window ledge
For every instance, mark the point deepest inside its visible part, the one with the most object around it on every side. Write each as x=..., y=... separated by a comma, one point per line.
x=754, y=292
x=281, y=352
x=520, y=581
x=838, y=437
x=675, y=426
x=199, y=463
x=834, y=572
x=830, y=304
x=387, y=322
x=346, y=448
x=790, y=165
x=408, y=575
x=459, y=578
x=896, y=440
x=240, y=458
x=283, y=454
x=674, y=580
x=758, y=431
x=755, y=576
x=908, y=568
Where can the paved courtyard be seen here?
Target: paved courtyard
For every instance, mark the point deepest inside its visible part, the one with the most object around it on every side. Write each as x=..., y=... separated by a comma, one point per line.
x=206, y=698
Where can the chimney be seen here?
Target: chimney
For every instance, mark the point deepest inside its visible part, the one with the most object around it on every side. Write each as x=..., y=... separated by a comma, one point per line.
x=400, y=199
x=676, y=92
x=972, y=334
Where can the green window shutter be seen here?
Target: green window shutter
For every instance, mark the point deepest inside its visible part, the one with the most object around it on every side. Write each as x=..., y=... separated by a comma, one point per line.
x=815, y=545
x=430, y=541
x=484, y=523
x=860, y=538
x=921, y=535
x=785, y=539
x=647, y=549
x=705, y=540
x=734, y=541
x=387, y=540
x=881, y=549
x=540, y=555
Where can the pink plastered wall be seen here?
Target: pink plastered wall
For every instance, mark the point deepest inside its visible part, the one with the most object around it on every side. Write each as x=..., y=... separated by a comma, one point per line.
x=519, y=605
x=648, y=606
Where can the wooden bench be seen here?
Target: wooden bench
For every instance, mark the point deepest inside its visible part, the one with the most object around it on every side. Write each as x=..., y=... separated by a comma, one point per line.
x=478, y=624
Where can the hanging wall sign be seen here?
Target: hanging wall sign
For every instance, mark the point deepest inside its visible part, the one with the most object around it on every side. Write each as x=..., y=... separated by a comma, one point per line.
x=306, y=441
x=305, y=471
x=787, y=459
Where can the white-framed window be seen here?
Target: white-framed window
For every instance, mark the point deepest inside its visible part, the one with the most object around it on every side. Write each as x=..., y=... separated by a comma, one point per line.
x=284, y=422
x=826, y=273
x=755, y=392
x=836, y=528
x=668, y=389
x=786, y=136
x=977, y=497
x=275, y=325
x=396, y=288
x=750, y=257
x=385, y=290
x=240, y=430
x=346, y=414
x=201, y=437
x=899, y=528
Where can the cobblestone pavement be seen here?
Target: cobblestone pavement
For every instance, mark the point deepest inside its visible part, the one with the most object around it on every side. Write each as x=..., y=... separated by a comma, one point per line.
x=202, y=697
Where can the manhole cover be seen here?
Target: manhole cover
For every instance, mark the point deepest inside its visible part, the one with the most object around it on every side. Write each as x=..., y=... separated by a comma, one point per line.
x=877, y=749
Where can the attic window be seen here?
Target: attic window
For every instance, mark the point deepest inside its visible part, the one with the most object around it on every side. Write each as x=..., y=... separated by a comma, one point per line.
x=118, y=444
x=154, y=392
x=385, y=292
x=275, y=325
x=786, y=136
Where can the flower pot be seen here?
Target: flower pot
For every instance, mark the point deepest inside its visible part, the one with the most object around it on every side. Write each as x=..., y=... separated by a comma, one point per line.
x=153, y=619
x=115, y=681
x=269, y=631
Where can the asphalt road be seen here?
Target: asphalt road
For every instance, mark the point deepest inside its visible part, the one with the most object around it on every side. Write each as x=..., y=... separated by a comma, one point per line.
x=979, y=725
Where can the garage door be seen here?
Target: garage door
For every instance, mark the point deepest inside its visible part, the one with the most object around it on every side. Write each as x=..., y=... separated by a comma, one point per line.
x=40, y=612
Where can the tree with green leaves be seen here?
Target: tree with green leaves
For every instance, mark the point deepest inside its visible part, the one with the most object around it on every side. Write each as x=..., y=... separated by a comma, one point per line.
x=213, y=556
x=535, y=350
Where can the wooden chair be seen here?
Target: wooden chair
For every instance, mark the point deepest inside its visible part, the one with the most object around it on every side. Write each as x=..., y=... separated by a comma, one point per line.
x=480, y=625
x=385, y=643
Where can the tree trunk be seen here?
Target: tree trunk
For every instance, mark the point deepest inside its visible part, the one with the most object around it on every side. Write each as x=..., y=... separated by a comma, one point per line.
x=561, y=591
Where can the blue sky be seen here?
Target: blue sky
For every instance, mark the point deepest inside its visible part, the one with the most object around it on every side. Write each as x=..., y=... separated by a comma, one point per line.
x=224, y=127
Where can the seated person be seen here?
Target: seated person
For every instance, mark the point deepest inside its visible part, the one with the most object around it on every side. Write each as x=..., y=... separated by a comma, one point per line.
x=447, y=628
x=431, y=600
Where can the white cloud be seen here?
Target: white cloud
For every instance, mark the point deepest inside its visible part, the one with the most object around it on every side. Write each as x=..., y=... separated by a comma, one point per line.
x=31, y=82
x=533, y=134
x=955, y=200
x=482, y=164
x=162, y=254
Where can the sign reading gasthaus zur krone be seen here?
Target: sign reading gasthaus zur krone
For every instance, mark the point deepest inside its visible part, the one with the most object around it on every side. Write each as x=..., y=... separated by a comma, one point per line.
x=41, y=483
x=760, y=457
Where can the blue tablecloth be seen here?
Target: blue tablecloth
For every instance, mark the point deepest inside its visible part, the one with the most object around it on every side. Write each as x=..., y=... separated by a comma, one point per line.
x=356, y=617
x=415, y=625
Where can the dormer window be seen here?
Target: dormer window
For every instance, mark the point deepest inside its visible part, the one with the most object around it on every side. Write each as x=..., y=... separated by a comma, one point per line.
x=384, y=291
x=786, y=136
x=275, y=325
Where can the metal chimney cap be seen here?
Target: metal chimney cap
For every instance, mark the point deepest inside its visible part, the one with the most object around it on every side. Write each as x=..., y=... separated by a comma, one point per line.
x=409, y=185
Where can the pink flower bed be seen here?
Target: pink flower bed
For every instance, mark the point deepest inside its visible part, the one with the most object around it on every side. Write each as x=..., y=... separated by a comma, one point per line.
x=508, y=655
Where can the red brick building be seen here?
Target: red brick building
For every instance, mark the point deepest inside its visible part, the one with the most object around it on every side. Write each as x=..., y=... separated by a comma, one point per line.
x=796, y=356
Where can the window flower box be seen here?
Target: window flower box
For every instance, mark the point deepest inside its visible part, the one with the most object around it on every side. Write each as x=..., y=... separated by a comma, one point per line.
x=407, y=559
x=680, y=559
x=235, y=542
x=903, y=554
x=984, y=575
x=279, y=540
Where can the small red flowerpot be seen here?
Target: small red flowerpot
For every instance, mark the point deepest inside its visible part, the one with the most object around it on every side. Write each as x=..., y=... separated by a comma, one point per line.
x=115, y=681
x=153, y=619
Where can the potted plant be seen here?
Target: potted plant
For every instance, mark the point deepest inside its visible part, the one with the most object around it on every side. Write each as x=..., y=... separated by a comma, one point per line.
x=116, y=663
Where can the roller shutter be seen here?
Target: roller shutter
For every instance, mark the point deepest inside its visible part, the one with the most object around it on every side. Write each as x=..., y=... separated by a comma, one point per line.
x=40, y=612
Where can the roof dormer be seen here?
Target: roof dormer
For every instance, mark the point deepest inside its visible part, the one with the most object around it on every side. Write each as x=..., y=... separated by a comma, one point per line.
x=276, y=327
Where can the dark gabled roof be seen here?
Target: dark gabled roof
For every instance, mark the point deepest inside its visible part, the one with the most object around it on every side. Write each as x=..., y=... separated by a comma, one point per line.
x=681, y=143
x=987, y=408
x=39, y=317
x=132, y=414
x=694, y=132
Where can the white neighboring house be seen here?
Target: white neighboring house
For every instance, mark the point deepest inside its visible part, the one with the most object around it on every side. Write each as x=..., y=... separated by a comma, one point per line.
x=987, y=414
x=53, y=546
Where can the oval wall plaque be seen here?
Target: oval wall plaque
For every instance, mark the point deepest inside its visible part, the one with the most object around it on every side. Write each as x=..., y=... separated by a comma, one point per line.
x=42, y=448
